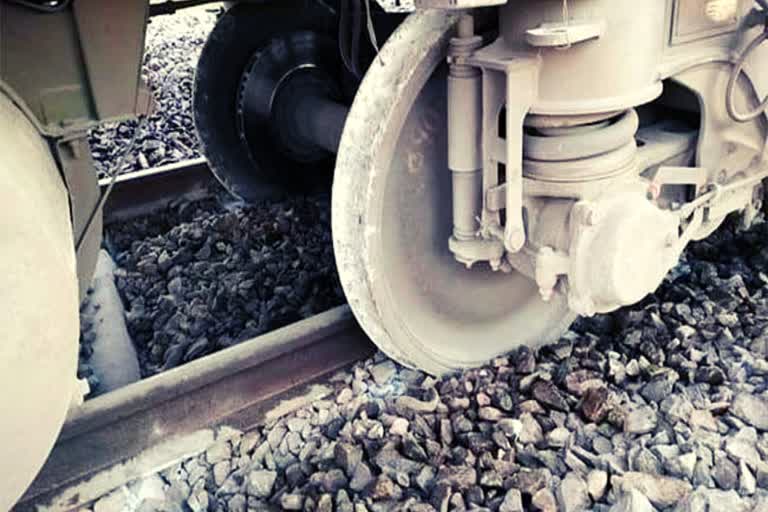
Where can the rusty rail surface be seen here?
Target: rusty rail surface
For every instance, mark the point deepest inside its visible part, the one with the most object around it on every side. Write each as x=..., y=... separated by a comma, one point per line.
x=149, y=425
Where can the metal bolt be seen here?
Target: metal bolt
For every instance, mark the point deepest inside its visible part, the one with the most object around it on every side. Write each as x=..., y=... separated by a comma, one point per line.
x=515, y=241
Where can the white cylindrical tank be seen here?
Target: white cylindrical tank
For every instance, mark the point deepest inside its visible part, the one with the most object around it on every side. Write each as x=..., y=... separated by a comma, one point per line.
x=38, y=303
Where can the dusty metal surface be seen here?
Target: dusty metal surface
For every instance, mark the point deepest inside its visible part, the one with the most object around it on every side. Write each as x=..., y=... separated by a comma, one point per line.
x=142, y=192
x=238, y=389
x=38, y=325
x=76, y=163
x=391, y=204
x=69, y=67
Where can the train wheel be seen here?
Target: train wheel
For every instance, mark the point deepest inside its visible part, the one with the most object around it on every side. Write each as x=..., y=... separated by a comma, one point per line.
x=259, y=60
x=38, y=303
x=392, y=221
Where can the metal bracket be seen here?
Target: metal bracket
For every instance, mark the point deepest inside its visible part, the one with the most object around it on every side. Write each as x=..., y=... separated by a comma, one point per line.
x=666, y=175
x=511, y=82
x=74, y=158
x=561, y=35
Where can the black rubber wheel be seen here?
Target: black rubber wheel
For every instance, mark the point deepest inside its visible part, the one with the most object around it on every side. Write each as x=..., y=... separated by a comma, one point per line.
x=240, y=33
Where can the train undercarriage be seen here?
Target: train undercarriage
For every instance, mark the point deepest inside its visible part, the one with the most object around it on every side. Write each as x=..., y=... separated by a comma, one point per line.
x=497, y=168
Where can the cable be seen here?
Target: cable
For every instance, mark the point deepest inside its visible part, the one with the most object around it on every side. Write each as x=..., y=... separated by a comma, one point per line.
x=343, y=29
x=372, y=30
x=350, y=54
x=117, y=170
x=115, y=174
x=730, y=104
x=357, y=31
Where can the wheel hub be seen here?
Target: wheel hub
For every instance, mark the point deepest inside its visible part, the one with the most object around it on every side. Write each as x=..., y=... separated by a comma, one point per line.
x=263, y=69
x=281, y=84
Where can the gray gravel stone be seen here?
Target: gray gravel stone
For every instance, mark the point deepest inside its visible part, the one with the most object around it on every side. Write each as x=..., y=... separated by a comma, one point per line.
x=531, y=431
x=572, y=494
x=640, y=421
x=218, y=452
x=597, y=482
x=260, y=482
x=661, y=491
x=513, y=502
x=752, y=409
x=632, y=501
x=362, y=477
x=544, y=501
x=725, y=472
x=383, y=372
x=292, y=502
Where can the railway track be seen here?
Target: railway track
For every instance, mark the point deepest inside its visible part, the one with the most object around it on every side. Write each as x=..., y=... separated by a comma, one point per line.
x=143, y=192
x=144, y=427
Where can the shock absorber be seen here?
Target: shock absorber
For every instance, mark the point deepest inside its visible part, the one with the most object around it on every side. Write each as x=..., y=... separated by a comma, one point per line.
x=464, y=138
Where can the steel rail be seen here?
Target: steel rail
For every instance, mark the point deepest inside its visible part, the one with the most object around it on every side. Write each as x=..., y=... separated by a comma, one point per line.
x=150, y=425
x=181, y=412
x=142, y=192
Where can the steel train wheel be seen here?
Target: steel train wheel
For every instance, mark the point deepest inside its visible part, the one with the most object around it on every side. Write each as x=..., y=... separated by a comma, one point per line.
x=392, y=220
x=39, y=303
x=260, y=45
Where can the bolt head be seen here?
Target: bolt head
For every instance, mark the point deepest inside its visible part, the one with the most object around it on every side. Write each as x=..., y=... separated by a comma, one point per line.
x=515, y=240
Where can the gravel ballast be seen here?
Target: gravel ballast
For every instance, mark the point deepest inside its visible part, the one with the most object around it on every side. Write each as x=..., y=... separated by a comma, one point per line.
x=203, y=276
x=173, y=45
x=661, y=406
